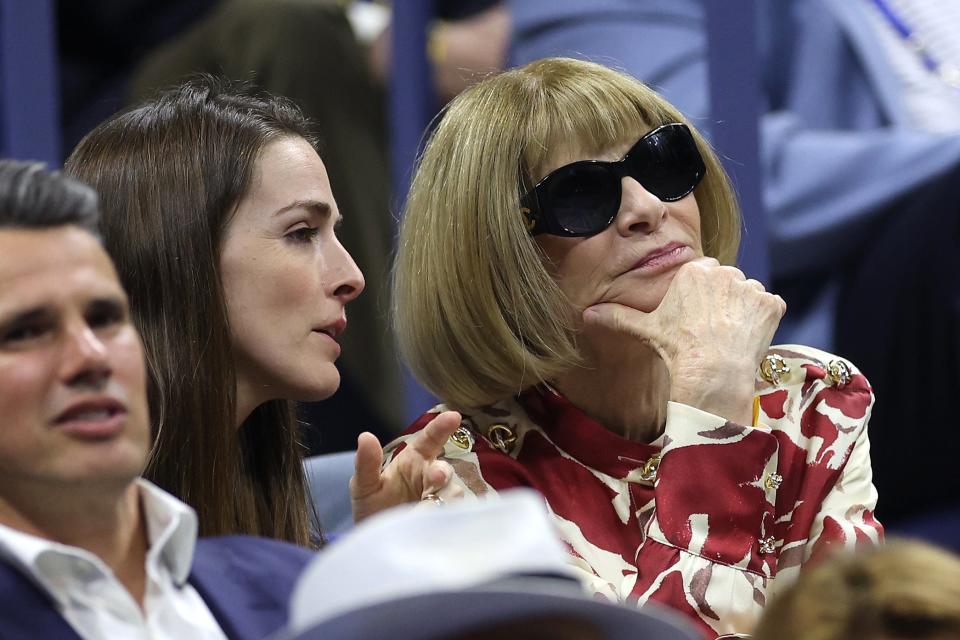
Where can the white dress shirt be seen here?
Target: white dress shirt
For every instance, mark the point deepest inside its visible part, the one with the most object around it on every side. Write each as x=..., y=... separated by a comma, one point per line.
x=92, y=600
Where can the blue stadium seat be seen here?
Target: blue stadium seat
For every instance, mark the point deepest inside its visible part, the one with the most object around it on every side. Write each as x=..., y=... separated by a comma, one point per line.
x=29, y=95
x=328, y=478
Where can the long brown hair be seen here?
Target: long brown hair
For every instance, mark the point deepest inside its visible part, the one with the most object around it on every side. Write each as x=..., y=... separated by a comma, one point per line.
x=170, y=173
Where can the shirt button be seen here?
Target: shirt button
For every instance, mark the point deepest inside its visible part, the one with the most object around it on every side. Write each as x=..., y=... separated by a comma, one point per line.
x=839, y=374
x=772, y=367
x=767, y=545
x=773, y=481
x=502, y=437
x=648, y=472
x=462, y=439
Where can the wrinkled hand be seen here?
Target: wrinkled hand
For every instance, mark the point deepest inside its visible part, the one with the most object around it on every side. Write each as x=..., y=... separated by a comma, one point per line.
x=411, y=475
x=712, y=329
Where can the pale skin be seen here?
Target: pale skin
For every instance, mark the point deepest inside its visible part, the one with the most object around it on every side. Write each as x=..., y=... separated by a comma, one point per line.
x=66, y=339
x=287, y=282
x=411, y=475
x=685, y=329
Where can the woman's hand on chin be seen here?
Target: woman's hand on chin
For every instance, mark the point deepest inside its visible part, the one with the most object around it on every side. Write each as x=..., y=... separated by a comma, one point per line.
x=414, y=474
x=712, y=329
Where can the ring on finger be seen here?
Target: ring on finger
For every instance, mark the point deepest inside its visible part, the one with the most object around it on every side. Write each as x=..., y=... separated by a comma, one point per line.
x=432, y=497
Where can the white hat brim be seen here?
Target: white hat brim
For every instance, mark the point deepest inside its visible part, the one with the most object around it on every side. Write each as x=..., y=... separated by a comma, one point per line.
x=438, y=615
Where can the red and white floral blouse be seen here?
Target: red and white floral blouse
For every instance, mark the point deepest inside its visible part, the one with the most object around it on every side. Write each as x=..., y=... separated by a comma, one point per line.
x=712, y=517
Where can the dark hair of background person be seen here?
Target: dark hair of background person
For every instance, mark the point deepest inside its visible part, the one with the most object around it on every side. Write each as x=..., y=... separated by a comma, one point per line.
x=170, y=174
x=906, y=589
x=99, y=43
x=32, y=198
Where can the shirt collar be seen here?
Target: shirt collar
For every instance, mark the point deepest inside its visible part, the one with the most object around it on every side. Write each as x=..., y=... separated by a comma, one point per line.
x=171, y=531
x=582, y=437
x=26, y=552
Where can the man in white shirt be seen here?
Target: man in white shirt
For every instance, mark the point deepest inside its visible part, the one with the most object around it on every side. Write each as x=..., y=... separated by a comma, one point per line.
x=88, y=550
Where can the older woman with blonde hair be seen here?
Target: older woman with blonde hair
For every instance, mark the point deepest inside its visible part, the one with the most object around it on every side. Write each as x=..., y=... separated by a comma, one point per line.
x=562, y=279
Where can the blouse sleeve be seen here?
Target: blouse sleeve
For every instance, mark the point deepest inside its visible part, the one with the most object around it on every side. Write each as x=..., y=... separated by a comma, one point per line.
x=741, y=510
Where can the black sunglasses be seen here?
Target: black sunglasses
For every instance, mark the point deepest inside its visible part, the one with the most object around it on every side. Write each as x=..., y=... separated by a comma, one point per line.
x=582, y=198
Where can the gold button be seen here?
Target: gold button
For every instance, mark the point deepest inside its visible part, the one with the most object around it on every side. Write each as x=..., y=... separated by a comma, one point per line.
x=772, y=367
x=502, y=437
x=528, y=219
x=648, y=472
x=767, y=545
x=462, y=438
x=773, y=481
x=839, y=374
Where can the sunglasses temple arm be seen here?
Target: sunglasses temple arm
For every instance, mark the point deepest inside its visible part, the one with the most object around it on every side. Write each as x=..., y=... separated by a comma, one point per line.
x=531, y=220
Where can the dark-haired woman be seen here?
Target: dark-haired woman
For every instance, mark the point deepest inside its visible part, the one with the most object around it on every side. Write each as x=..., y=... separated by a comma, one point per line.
x=218, y=213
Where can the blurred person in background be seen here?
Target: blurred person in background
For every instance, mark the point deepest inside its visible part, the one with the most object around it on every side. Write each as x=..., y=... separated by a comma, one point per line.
x=220, y=217
x=906, y=590
x=88, y=550
x=562, y=280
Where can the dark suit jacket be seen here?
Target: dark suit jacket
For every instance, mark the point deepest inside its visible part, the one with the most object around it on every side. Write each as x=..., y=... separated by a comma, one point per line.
x=246, y=583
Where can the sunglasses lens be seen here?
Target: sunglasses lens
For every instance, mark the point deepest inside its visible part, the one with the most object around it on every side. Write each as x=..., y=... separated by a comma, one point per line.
x=667, y=163
x=581, y=198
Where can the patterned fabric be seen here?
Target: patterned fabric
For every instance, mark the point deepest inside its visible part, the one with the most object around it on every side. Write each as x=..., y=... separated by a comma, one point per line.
x=709, y=519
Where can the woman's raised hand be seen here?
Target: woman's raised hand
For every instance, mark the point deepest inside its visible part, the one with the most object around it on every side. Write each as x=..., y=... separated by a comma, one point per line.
x=411, y=476
x=712, y=329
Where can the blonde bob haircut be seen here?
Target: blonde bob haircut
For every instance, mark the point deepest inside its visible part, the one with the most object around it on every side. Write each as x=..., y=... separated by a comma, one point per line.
x=477, y=314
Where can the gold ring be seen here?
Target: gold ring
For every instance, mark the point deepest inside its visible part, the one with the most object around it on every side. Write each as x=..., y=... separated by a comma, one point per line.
x=432, y=497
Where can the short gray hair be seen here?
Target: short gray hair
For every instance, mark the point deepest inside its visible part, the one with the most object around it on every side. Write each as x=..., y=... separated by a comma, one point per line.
x=33, y=198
